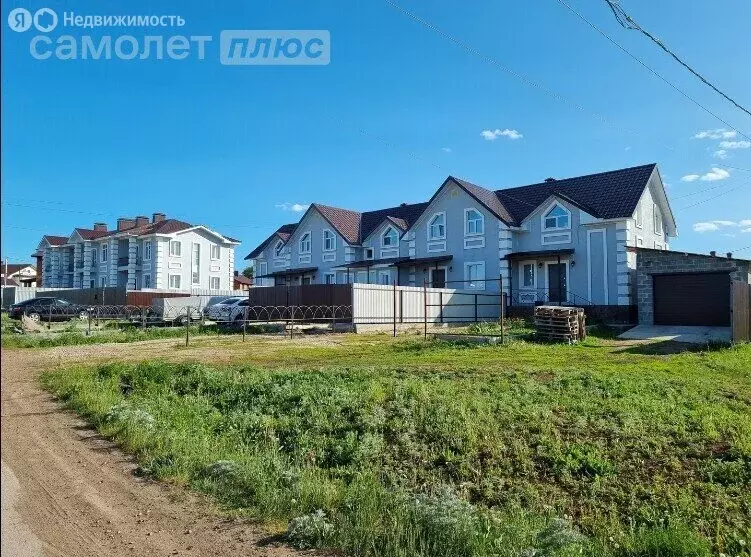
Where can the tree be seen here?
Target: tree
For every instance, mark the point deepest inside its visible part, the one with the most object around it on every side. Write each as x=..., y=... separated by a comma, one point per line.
x=248, y=272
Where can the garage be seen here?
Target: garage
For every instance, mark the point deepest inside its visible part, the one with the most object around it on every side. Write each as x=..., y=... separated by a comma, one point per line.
x=692, y=299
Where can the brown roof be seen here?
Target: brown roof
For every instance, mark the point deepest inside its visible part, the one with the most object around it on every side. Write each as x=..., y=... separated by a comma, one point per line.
x=346, y=222
x=56, y=240
x=242, y=279
x=89, y=234
x=13, y=268
x=283, y=233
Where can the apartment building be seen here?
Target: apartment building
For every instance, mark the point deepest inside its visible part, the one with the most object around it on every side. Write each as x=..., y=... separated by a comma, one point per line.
x=141, y=253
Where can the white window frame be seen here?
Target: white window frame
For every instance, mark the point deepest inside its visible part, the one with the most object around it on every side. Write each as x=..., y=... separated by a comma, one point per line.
x=309, y=242
x=430, y=226
x=218, y=282
x=385, y=233
x=193, y=280
x=147, y=250
x=445, y=275
x=175, y=244
x=639, y=216
x=523, y=264
x=333, y=239
x=639, y=242
x=468, y=282
x=544, y=214
x=372, y=253
x=278, y=248
x=103, y=282
x=94, y=256
x=104, y=253
x=263, y=268
x=656, y=220
x=145, y=277
x=179, y=281
x=466, y=222
x=332, y=275
x=218, y=249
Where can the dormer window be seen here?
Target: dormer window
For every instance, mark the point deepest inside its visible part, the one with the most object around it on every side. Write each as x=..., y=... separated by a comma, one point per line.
x=474, y=222
x=329, y=240
x=368, y=253
x=305, y=243
x=557, y=218
x=389, y=238
x=437, y=227
x=278, y=248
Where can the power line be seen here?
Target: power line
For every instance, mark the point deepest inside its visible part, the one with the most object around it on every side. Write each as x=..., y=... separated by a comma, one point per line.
x=520, y=77
x=627, y=22
x=715, y=197
x=648, y=67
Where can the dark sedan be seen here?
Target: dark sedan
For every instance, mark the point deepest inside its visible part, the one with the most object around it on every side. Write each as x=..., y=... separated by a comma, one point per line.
x=47, y=309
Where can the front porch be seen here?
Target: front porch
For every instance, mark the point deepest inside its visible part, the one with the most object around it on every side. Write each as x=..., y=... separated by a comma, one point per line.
x=544, y=277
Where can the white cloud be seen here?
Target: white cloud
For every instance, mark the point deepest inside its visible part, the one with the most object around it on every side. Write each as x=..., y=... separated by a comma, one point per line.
x=627, y=149
x=294, y=207
x=446, y=149
x=725, y=222
x=492, y=135
x=720, y=154
x=735, y=144
x=745, y=222
x=729, y=235
x=720, y=133
x=746, y=230
x=715, y=174
x=705, y=227
x=690, y=178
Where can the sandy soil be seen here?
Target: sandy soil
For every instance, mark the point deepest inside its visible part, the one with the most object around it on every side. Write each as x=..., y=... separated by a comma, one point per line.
x=67, y=492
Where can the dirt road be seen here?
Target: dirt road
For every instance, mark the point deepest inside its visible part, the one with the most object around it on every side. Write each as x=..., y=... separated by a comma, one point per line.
x=67, y=492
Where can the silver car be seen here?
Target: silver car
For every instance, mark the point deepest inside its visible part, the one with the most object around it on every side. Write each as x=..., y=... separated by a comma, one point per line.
x=221, y=310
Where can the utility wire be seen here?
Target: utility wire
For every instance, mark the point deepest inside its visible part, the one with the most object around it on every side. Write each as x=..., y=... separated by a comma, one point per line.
x=739, y=186
x=649, y=68
x=627, y=22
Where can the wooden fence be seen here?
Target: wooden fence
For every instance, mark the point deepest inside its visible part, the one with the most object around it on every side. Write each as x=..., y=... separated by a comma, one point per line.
x=741, y=307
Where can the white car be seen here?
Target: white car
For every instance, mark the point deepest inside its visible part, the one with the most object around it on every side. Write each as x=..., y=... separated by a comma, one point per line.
x=221, y=310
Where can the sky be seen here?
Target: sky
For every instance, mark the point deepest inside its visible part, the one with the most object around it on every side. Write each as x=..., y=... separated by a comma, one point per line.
x=530, y=91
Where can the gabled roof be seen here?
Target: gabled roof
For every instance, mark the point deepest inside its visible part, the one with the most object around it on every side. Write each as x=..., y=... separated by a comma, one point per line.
x=89, y=234
x=283, y=233
x=606, y=195
x=487, y=198
x=166, y=226
x=346, y=222
x=402, y=216
x=55, y=240
x=13, y=268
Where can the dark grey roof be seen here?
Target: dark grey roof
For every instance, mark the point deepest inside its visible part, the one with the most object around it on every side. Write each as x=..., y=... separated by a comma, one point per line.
x=283, y=233
x=606, y=195
x=403, y=216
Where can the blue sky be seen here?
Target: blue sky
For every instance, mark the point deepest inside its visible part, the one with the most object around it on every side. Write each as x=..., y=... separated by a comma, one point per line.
x=398, y=109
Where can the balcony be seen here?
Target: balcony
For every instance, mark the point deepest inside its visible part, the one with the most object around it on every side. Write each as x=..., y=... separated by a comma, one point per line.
x=122, y=261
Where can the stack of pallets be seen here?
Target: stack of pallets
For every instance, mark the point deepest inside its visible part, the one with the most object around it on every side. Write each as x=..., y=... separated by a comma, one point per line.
x=560, y=324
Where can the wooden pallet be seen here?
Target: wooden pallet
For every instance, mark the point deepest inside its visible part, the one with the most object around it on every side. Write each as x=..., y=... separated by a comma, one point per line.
x=560, y=323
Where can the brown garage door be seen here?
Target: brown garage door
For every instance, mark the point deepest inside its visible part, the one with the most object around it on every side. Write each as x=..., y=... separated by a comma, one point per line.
x=692, y=299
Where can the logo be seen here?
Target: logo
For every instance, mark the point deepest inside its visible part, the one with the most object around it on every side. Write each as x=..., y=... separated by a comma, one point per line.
x=20, y=20
x=275, y=48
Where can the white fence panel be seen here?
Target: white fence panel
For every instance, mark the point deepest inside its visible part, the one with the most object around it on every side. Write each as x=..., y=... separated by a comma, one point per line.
x=15, y=294
x=375, y=303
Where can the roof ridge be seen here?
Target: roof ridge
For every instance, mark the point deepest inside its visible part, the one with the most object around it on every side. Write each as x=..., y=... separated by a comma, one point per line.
x=653, y=164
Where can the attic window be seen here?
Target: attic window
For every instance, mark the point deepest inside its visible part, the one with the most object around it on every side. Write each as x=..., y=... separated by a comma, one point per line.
x=305, y=243
x=389, y=237
x=437, y=227
x=278, y=248
x=557, y=218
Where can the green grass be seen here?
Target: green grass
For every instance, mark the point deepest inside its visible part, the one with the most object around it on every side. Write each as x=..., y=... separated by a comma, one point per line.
x=414, y=448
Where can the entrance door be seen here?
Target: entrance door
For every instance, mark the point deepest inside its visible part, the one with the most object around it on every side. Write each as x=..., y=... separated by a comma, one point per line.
x=557, y=286
x=438, y=278
x=306, y=280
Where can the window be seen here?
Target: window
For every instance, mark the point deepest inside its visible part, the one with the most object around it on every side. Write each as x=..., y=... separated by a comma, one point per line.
x=147, y=281
x=556, y=218
x=657, y=220
x=102, y=281
x=305, y=243
x=437, y=227
x=329, y=240
x=147, y=250
x=104, y=252
x=474, y=223
x=639, y=217
x=175, y=248
x=389, y=238
x=214, y=283
x=262, y=270
x=528, y=275
x=384, y=277
x=195, y=264
x=174, y=281
x=329, y=278
x=368, y=253
x=93, y=256
x=216, y=252
x=278, y=248
x=474, y=275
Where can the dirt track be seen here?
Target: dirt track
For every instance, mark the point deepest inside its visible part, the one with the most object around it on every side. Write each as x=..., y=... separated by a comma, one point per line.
x=68, y=492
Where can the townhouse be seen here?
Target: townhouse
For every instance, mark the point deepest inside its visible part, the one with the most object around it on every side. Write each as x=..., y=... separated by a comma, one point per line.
x=560, y=240
x=161, y=253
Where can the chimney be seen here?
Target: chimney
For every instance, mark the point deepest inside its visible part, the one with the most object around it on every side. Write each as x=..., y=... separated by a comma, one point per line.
x=550, y=179
x=237, y=273
x=713, y=253
x=158, y=217
x=123, y=223
x=142, y=220
x=729, y=254
x=100, y=226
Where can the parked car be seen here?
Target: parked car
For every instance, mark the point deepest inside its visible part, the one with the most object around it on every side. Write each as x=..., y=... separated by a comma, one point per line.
x=221, y=310
x=44, y=309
